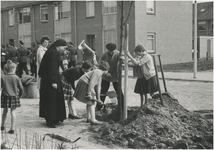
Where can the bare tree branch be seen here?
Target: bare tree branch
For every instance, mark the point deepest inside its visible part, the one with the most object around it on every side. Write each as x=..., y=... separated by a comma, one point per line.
x=128, y=13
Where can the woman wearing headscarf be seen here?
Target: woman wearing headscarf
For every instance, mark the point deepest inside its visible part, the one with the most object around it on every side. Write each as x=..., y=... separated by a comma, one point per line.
x=52, y=104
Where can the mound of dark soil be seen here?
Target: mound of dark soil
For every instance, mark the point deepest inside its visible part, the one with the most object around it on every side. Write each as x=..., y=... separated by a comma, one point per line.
x=158, y=126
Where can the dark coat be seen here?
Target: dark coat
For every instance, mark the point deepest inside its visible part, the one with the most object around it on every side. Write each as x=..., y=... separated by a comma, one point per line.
x=23, y=54
x=13, y=54
x=4, y=55
x=52, y=104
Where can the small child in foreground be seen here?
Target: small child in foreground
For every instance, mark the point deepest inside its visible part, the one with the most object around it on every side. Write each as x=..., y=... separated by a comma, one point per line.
x=12, y=90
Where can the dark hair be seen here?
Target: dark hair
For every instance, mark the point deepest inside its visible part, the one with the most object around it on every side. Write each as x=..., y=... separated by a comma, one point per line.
x=87, y=65
x=21, y=42
x=44, y=38
x=104, y=66
x=139, y=48
x=33, y=44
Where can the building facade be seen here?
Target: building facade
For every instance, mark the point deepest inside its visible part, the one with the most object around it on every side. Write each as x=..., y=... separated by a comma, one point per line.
x=204, y=29
x=163, y=27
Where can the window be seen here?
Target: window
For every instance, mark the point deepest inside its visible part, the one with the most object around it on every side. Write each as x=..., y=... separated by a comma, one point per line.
x=63, y=10
x=109, y=22
x=91, y=41
x=12, y=41
x=44, y=12
x=11, y=17
x=66, y=36
x=151, y=42
x=110, y=36
x=150, y=6
x=202, y=26
x=89, y=8
x=26, y=40
x=109, y=7
x=24, y=15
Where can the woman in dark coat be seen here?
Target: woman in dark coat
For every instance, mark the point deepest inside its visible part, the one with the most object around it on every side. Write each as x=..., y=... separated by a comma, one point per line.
x=52, y=104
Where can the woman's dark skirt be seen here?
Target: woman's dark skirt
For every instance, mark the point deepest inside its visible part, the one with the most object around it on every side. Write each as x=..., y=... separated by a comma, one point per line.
x=144, y=86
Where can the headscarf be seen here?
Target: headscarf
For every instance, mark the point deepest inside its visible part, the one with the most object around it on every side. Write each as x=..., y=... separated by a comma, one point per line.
x=59, y=42
x=44, y=63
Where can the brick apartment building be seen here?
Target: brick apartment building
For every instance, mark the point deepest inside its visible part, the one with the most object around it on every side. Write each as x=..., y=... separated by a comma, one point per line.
x=164, y=27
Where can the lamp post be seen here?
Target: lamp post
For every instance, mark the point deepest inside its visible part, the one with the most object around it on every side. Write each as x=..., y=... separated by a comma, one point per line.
x=195, y=41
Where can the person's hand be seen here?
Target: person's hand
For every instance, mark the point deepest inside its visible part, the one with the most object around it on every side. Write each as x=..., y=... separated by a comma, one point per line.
x=108, y=75
x=88, y=95
x=100, y=102
x=54, y=85
x=122, y=58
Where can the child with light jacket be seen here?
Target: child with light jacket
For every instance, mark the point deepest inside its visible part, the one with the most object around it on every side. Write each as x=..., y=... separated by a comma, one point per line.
x=144, y=70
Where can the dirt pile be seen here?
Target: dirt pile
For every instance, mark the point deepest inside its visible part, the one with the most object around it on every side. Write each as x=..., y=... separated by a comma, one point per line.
x=159, y=126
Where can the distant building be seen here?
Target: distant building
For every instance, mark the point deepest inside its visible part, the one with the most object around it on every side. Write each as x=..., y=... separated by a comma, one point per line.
x=164, y=27
x=204, y=29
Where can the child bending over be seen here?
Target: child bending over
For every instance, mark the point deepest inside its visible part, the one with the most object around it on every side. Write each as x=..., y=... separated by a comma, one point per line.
x=88, y=83
x=69, y=76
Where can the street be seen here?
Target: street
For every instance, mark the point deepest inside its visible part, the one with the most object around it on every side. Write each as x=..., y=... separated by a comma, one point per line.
x=191, y=95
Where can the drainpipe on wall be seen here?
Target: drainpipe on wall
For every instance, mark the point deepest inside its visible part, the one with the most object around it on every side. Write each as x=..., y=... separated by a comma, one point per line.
x=16, y=21
x=33, y=32
x=2, y=31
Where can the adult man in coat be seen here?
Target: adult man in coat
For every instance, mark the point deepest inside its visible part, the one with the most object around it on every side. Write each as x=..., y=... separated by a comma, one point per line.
x=33, y=66
x=111, y=56
x=23, y=59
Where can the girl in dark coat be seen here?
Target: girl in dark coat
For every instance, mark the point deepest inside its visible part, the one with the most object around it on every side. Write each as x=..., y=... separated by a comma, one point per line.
x=52, y=104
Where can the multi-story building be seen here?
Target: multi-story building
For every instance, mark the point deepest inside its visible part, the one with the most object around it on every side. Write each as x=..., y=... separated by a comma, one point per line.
x=204, y=29
x=163, y=27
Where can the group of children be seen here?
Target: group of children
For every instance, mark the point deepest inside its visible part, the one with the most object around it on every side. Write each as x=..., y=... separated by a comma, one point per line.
x=87, y=89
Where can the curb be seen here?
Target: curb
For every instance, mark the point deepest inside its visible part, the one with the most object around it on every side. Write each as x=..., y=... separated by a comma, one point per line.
x=176, y=79
x=187, y=80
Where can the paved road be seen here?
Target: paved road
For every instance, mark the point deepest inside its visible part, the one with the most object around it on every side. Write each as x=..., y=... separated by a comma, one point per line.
x=191, y=95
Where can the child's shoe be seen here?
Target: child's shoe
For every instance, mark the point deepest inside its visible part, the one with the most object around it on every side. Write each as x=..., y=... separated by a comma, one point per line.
x=88, y=121
x=95, y=123
x=11, y=131
x=2, y=128
x=74, y=117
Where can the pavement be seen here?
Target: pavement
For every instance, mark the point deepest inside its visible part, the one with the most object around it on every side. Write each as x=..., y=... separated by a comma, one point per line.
x=192, y=93
x=203, y=76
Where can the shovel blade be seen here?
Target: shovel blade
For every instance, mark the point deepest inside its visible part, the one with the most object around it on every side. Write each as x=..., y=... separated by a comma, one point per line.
x=111, y=94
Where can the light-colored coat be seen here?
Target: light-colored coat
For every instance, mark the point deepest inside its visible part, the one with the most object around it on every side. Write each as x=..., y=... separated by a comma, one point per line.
x=40, y=53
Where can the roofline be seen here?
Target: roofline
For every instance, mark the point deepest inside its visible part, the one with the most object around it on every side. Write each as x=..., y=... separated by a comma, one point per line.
x=23, y=5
